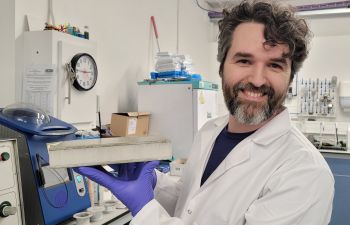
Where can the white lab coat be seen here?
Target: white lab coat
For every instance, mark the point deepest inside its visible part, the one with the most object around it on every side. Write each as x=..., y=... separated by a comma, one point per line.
x=273, y=177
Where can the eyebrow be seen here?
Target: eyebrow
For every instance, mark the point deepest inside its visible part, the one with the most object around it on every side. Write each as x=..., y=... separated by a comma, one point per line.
x=282, y=60
x=243, y=55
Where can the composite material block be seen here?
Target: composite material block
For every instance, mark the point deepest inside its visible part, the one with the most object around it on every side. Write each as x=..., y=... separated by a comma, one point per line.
x=108, y=151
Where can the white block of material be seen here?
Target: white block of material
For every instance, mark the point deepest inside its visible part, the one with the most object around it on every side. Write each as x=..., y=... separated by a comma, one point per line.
x=108, y=151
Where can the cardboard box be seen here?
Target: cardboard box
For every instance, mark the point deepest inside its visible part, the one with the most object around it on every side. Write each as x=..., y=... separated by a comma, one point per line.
x=177, y=167
x=130, y=124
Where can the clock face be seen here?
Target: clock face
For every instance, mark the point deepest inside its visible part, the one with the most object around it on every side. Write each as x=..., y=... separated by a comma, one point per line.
x=85, y=69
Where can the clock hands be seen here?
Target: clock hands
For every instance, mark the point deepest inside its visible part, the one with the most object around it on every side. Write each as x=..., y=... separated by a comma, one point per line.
x=84, y=71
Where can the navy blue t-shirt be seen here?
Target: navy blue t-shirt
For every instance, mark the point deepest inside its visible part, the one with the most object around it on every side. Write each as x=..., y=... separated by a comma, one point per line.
x=224, y=143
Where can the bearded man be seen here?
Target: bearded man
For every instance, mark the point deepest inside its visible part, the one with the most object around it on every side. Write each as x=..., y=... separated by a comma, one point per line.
x=251, y=167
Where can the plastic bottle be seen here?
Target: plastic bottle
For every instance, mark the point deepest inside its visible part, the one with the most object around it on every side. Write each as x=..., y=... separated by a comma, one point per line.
x=86, y=32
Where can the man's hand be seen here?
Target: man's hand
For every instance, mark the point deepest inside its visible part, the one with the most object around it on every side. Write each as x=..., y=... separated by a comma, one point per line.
x=132, y=184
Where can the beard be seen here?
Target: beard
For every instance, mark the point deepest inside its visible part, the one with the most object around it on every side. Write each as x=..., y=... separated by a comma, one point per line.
x=248, y=112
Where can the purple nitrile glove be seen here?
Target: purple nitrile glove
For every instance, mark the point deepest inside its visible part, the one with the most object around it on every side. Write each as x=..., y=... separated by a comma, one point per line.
x=127, y=171
x=135, y=190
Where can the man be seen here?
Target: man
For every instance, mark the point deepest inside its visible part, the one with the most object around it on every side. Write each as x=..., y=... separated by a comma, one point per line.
x=252, y=167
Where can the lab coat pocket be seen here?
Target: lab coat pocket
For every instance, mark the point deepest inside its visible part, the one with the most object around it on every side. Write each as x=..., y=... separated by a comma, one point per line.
x=212, y=219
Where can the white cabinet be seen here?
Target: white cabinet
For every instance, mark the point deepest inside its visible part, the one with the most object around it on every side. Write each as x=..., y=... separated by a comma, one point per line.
x=178, y=110
x=41, y=76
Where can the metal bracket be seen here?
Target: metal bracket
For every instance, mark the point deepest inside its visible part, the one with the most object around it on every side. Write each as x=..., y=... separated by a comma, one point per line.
x=71, y=76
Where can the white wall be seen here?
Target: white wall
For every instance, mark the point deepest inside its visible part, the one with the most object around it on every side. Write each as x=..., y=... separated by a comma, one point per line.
x=7, y=53
x=329, y=55
x=126, y=45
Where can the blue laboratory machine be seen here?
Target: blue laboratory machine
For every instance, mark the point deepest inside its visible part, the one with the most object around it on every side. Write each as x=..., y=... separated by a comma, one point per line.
x=49, y=196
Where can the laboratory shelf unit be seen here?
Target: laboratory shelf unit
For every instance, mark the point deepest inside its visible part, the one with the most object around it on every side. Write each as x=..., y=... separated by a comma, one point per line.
x=11, y=202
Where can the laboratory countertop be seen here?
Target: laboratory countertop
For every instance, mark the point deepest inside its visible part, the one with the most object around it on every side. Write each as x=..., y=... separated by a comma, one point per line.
x=116, y=217
x=335, y=151
x=335, y=154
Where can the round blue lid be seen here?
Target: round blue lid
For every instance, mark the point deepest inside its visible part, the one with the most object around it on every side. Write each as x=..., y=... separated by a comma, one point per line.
x=26, y=113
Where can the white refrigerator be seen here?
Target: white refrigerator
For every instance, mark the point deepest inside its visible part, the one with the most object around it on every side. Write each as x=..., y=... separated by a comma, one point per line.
x=178, y=110
x=44, y=55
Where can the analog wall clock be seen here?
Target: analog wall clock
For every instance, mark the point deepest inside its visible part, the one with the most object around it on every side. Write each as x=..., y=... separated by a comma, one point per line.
x=84, y=71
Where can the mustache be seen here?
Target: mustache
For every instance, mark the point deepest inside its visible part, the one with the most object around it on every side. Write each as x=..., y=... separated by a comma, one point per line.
x=264, y=89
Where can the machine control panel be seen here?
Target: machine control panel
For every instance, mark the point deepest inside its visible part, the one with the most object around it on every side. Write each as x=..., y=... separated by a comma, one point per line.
x=79, y=183
x=7, y=167
x=10, y=207
x=79, y=178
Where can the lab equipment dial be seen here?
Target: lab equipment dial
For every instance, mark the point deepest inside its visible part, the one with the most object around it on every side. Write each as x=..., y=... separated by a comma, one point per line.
x=6, y=209
x=4, y=156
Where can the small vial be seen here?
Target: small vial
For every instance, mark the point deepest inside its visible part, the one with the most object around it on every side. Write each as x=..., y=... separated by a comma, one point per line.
x=86, y=32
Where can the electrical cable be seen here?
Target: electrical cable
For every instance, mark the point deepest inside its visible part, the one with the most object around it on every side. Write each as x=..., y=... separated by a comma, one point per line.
x=320, y=136
x=177, y=26
x=98, y=110
x=62, y=182
x=57, y=174
x=336, y=135
x=201, y=7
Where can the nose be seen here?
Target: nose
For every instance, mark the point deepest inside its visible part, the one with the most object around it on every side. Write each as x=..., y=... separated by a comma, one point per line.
x=257, y=75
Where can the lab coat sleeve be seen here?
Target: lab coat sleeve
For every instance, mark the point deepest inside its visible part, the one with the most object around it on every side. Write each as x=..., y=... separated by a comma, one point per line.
x=154, y=214
x=159, y=210
x=296, y=194
x=167, y=191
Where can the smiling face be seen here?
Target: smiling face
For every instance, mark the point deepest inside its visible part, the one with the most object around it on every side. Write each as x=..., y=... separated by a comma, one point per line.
x=256, y=76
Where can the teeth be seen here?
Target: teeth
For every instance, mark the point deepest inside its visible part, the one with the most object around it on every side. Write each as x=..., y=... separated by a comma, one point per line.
x=254, y=94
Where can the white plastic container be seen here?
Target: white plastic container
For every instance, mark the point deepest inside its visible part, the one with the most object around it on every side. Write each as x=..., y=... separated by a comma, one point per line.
x=97, y=213
x=177, y=167
x=110, y=206
x=83, y=218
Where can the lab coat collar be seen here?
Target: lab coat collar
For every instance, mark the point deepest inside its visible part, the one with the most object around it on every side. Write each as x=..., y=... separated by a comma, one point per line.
x=208, y=137
x=234, y=159
x=221, y=121
x=240, y=156
x=272, y=130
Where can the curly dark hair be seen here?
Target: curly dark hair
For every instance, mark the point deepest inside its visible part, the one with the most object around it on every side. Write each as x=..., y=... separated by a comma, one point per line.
x=282, y=26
